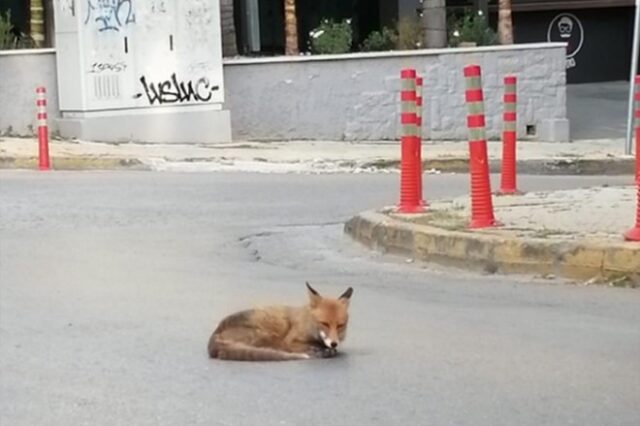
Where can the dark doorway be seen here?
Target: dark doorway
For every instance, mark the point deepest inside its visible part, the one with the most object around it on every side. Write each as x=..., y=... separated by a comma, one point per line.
x=599, y=40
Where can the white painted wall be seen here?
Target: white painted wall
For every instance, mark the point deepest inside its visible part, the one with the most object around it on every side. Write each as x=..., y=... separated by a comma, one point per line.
x=115, y=54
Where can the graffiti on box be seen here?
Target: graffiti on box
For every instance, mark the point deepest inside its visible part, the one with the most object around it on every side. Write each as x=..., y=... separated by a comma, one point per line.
x=110, y=15
x=173, y=90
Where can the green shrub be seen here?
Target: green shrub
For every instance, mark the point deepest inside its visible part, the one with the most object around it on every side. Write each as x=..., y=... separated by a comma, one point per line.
x=471, y=28
x=410, y=34
x=331, y=37
x=380, y=40
x=8, y=39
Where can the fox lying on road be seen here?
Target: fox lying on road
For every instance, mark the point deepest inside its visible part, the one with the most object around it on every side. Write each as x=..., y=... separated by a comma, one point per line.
x=281, y=333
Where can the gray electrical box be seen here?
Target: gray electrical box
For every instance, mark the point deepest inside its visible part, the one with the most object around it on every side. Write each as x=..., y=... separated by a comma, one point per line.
x=141, y=70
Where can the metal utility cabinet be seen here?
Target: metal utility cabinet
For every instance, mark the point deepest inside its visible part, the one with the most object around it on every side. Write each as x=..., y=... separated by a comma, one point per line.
x=143, y=71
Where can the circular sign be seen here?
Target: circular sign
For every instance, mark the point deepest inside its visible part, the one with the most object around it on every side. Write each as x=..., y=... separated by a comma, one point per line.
x=567, y=28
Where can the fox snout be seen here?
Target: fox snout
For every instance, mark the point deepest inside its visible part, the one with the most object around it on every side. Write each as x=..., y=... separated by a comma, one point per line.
x=328, y=341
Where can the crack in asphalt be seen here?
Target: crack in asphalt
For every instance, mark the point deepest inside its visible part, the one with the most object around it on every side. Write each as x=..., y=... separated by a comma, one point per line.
x=246, y=241
x=261, y=234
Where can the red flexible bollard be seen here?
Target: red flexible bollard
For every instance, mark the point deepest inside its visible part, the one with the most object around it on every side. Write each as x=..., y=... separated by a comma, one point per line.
x=419, y=88
x=409, y=171
x=508, y=170
x=633, y=234
x=636, y=99
x=43, y=129
x=481, y=201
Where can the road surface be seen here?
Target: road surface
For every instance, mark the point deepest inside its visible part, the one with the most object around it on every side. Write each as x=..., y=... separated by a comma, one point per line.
x=111, y=283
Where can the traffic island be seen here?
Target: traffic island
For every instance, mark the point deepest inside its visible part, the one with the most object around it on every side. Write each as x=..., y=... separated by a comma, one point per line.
x=575, y=234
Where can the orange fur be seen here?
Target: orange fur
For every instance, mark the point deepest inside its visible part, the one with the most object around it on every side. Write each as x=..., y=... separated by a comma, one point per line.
x=279, y=333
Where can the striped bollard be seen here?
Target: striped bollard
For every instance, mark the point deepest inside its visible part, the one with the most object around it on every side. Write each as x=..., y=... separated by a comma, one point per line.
x=419, y=86
x=636, y=99
x=409, y=173
x=43, y=130
x=508, y=172
x=633, y=234
x=481, y=202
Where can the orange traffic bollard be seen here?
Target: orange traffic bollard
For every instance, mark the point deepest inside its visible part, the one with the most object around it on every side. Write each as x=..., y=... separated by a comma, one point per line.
x=43, y=129
x=410, y=144
x=481, y=201
x=419, y=97
x=508, y=167
x=633, y=234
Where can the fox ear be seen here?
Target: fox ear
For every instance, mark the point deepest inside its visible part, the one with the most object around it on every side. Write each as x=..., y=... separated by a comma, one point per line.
x=344, y=297
x=314, y=296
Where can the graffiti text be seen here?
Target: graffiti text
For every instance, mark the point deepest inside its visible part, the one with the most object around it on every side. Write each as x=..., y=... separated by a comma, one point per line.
x=98, y=67
x=174, y=91
x=68, y=6
x=111, y=15
x=158, y=6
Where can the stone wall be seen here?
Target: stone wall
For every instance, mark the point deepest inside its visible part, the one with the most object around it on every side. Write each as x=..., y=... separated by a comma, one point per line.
x=342, y=97
x=355, y=96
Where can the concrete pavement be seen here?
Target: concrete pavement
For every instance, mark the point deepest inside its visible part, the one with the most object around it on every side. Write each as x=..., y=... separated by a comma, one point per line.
x=572, y=233
x=110, y=283
x=598, y=110
x=583, y=157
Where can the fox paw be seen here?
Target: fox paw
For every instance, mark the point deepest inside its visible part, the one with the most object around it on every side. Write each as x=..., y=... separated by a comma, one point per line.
x=323, y=352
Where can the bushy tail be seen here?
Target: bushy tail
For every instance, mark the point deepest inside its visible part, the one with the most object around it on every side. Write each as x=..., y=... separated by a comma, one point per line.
x=228, y=350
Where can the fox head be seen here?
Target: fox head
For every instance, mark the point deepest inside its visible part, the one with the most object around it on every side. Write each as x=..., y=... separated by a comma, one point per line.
x=330, y=315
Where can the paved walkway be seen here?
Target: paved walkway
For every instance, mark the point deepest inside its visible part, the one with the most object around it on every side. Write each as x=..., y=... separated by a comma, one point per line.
x=298, y=156
x=598, y=110
x=575, y=234
x=601, y=213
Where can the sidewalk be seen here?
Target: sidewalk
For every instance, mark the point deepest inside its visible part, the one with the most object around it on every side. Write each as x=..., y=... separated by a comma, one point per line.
x=583, y=157
x=575, y=234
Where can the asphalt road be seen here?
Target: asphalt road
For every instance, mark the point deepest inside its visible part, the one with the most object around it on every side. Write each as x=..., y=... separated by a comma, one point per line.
x=110, y=284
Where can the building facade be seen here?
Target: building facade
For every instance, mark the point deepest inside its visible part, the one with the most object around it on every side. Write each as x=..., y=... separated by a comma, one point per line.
x=598, y=32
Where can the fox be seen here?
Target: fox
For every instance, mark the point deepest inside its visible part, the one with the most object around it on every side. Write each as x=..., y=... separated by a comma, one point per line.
x=283, y=333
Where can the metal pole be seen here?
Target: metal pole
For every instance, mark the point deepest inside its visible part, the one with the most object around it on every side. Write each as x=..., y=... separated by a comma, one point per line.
x=634, y=71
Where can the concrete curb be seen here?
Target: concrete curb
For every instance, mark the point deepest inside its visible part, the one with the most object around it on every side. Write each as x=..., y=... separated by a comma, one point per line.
x=74, y=163
x=445, y=165
x=497, y=252
x=564, y=166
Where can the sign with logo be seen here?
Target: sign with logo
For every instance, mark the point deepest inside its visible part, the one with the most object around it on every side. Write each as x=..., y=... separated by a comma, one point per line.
x=566, y=27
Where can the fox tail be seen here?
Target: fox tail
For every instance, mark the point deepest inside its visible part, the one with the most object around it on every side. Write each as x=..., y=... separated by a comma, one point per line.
x=236, y=351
